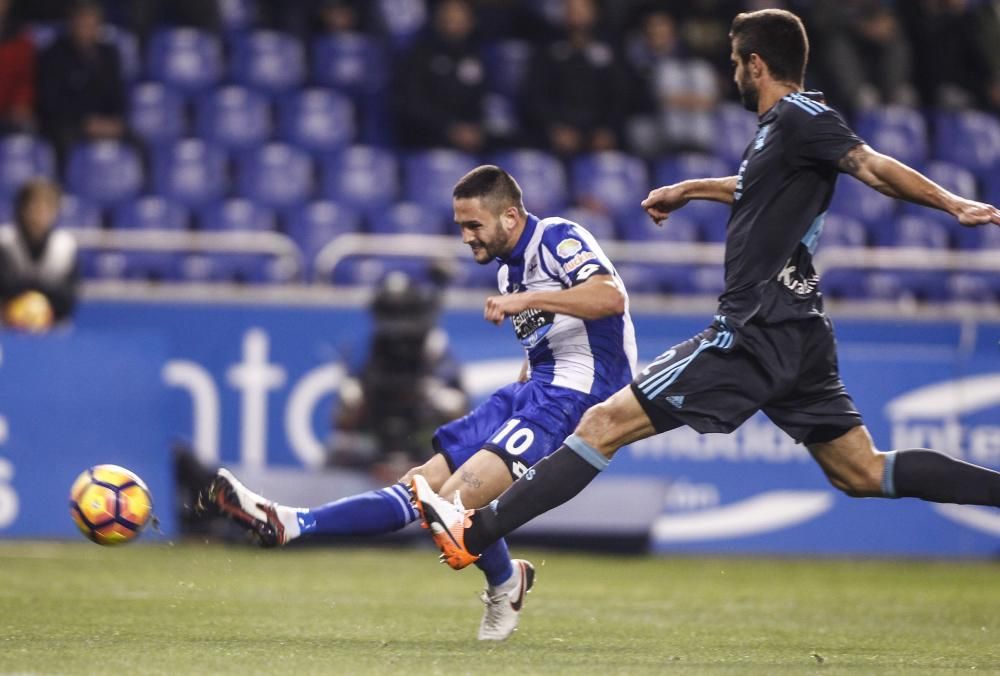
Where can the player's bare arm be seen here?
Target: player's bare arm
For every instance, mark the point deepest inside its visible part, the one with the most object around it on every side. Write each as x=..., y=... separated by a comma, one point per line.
x=893, y=178
x=598, y=297
x=667, y=199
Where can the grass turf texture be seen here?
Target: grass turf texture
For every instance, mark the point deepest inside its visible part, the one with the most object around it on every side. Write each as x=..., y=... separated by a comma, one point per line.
x=146, y=608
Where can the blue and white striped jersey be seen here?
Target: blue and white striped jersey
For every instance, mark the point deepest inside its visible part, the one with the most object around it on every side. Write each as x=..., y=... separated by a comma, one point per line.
x=592, y=356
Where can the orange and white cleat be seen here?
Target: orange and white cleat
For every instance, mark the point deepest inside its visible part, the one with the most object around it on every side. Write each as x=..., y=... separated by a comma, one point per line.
x=446, y=521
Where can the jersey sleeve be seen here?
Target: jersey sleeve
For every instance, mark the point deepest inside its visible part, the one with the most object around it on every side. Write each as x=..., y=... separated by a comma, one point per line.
x=823, y=139
x=568, y=255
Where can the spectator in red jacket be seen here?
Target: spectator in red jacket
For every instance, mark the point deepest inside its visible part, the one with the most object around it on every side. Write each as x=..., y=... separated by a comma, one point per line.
x=17, y=74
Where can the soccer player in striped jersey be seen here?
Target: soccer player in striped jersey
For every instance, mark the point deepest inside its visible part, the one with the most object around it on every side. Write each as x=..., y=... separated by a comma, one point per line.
x=771, y=346
x=569, y=310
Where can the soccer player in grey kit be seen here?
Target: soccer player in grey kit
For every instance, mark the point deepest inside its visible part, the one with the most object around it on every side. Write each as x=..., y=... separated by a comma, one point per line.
x=770, y=346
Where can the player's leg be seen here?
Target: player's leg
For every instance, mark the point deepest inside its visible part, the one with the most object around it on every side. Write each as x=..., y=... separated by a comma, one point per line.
x=373, y=512
x=853, y=465
x=703, y=382
x=478, y=481
x=549, y=483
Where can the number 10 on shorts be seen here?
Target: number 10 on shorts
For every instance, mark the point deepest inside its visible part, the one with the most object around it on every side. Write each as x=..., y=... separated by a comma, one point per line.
x=513, y=440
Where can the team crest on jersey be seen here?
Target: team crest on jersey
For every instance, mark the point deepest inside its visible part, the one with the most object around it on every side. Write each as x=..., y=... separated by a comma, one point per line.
x=568, y=247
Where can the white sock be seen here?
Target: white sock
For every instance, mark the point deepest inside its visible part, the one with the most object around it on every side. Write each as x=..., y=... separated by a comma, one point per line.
x=510, y=584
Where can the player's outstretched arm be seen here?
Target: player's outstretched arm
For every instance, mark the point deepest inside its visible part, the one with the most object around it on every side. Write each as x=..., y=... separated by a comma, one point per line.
x=667, y=199
x=893, y=178
x=599, y=296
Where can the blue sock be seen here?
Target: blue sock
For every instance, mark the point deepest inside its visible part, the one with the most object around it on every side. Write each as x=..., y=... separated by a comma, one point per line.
x=495, y=563
x=372, y=513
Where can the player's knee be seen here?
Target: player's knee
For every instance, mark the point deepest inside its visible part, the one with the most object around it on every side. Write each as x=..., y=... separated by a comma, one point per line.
x=598, y=428
x=857, y=482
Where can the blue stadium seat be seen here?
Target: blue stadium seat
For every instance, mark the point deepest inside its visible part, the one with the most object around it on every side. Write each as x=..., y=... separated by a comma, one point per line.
x=6, y=209
x=699, y=280
x=683, y=166
x=314, y=224
x=507, y=62
x=236, y=214
x=318, y=120
x=191, y=172
x=130, y=265
x=843, y=284
x=408, y=218
x=907, y=285
x=899, y=131
x=150, y=212
x=541, y=176
x=469, y=274
x=969, y=138
x=267, y=60
x=974, y=287
x=236, y=16
x=855, y=199
x=615, y=180
x=735, y=127
x=712, y=216
x=77, y=212
x=844, y=231
x=128, y=50
x=639, y=277
x=22, y=157
x=185, y=58
x=639, y=227
x=368, y=271
x=951, y=176
x=106, y=172
x=351, y=63
x=365, y=178
x=598, y=224
x=430, y=176
x=276, y=175
x=156, y=112
x=234, y=117
x=915, y=231
x=239, y=268
x=43, y=34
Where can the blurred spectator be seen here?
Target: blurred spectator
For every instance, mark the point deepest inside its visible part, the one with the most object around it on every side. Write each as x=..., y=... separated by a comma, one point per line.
x=38, y=265
x=441, y=85
x=863, y=52
x=575, y=94
x=80, y=89
x=17, y=73
x=342, y=16
x=143, y=16
x=408, y=385
x=682, y=90
x=956, y=60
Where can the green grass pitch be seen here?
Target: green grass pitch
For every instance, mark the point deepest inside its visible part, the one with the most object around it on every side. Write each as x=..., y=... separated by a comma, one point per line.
x=199, y=609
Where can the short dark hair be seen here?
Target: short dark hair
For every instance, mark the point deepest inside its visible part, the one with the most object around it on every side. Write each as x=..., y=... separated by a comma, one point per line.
x=778, y=37
x=493, y=185
x=32, y=189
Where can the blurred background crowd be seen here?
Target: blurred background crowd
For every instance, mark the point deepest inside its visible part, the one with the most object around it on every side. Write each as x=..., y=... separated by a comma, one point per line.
x=314, y=118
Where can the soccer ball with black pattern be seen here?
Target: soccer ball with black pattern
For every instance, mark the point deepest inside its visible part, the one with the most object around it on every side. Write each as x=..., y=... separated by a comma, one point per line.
x=110, y=504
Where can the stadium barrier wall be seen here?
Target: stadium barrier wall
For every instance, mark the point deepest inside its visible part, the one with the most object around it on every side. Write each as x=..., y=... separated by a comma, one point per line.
x=253, y=386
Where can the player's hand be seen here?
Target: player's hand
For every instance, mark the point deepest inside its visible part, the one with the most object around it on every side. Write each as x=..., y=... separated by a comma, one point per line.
x=499, y=307
x=971, y=214
x=662, y=201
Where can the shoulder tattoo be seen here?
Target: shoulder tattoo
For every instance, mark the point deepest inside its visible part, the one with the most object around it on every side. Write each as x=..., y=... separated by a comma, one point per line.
x=850, y=163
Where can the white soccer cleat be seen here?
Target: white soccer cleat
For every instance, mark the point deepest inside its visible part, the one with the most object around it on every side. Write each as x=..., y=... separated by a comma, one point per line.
x=446, y=521
x=503, y=609
x=271, y=524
